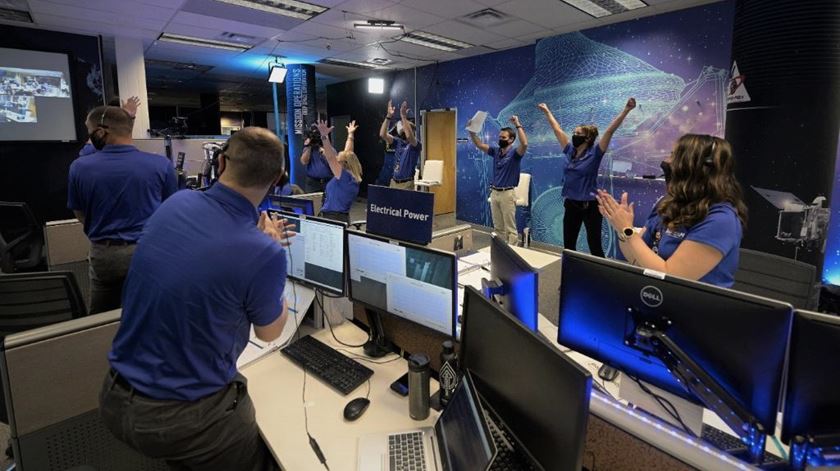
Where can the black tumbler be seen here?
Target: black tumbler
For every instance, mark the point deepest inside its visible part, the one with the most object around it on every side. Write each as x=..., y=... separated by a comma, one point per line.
x=418, y=386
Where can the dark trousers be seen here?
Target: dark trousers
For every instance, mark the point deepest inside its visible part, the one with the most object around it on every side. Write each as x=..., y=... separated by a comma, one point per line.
x=586, y=213
x=217, y=432
x=335, y=216
x=315, y=185
x=108, y=266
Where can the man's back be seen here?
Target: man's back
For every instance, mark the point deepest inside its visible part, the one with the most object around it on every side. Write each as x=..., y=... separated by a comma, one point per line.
x=202, y=273
x=118, y=189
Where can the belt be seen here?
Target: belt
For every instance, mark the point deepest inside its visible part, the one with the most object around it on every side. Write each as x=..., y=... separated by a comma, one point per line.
x=507, y=188
x=121, y=382
x=403, y=181
x=110, y=242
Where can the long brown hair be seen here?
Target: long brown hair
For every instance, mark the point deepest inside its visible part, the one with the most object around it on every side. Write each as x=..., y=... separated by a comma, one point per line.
x=702, y=174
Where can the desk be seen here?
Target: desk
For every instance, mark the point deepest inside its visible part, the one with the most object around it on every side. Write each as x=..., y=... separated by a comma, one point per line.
x=275, y=385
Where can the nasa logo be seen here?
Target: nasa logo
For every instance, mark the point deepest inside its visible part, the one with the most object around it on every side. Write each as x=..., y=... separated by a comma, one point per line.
x=652, y=296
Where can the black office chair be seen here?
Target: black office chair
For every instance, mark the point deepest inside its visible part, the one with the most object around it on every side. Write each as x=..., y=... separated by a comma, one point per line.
x=776, y=277
x=32, y=300
x=21, y=238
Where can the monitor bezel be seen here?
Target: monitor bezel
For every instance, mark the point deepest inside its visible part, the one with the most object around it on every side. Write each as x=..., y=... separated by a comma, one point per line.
x=510, y=254
x=305, y=202
x=453, y=266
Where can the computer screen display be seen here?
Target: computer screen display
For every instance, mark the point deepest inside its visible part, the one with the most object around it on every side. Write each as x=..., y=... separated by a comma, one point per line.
x=413, y=282
x=519, y=282
x=739, y=340
x=812, y=399
x=316, y=254
x=540, y=394
x=462, y=432
x=291, y=204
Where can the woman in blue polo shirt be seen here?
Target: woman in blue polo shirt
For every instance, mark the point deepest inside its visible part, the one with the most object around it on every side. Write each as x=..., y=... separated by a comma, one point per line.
x=583, y=158
x=343, y=188
x=694, y=231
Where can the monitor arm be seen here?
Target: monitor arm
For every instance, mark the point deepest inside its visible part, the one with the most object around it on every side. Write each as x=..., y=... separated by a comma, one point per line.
x=493, y=290
x=650, y=337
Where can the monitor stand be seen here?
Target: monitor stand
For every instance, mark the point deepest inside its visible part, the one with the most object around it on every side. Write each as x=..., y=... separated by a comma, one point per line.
x=377, y=346
x=690, y=413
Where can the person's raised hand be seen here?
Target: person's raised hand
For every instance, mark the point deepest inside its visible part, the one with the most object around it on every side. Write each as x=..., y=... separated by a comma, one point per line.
x=131, y=106
x=618, y=214
x=515, y=120
x=286, y=230
x=391, y=109
x=323, y=128
x=543, y=107
x=352, y=127
x=631, y=103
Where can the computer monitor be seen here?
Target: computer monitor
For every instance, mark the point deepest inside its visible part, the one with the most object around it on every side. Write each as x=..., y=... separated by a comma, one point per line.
x=812, y=398
x=410, y=281
x=514, y=283
x=536, y=390
x=615, y=312
x=291, y=204
x=316, y=254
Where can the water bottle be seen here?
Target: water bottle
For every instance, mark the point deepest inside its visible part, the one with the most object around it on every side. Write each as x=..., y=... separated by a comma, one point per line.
x=448, y=375
x=418, y=386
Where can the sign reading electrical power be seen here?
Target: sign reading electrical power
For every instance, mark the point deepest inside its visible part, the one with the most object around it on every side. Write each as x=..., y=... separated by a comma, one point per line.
x=400, y=214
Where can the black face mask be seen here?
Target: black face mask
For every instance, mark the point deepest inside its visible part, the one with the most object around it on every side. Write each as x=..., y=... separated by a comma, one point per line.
x=578, y=140
x=666, y=171
x=97, y=138
x=503, y=143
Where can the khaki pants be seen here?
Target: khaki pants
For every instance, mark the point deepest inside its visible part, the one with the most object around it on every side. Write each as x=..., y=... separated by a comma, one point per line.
x=409, y=185
x=503, y=210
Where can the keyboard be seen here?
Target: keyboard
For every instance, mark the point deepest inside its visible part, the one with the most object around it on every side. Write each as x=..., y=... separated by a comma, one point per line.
x=405, y=452
x=508, y=457
x=340, y=372
x=732, y=444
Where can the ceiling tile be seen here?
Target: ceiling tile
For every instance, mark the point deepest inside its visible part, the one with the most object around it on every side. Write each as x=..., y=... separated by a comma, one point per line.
x=93, y=9
x=411, y=18
x=506, y=44
x=369, y=7
x=456, y=30
x=491, y=3
x=446, y=8
x=215, y=26
x=546, y=13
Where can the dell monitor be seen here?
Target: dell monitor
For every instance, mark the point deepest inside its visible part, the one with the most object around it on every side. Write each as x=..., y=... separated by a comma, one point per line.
x=514, y=283
x=646, y=323
x=538, y=392
x=315, y=256
x=410, y=281
x=811, y=418
x=291, y=204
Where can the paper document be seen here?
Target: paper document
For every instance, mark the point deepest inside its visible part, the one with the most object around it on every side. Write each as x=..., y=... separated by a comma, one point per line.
x=478, y=258
x=477, y=121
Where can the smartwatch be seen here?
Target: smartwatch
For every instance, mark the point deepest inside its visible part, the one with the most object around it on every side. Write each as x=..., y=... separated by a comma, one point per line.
x=626, y=233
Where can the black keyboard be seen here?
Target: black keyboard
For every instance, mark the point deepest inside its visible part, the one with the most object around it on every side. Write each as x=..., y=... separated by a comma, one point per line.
x=732, y=444
x=405, y=452
x=342, y=373
x=508, y=457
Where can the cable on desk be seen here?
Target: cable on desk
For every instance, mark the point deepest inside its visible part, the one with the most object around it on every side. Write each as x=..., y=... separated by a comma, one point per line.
x=662, y=401
x=329, y=324
x=361, y=358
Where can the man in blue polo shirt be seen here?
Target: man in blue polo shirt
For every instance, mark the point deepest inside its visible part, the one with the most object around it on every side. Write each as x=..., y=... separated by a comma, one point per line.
x=130, y=106
x=406, y=147
x=506, y=162
x=113, y=192
x=207, y=269
x=318, y=172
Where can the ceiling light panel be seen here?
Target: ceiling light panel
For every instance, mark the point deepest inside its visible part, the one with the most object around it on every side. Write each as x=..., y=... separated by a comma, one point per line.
x=291, y=8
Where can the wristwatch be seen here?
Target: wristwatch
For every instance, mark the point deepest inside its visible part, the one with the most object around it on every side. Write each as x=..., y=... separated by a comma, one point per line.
x=627, y=233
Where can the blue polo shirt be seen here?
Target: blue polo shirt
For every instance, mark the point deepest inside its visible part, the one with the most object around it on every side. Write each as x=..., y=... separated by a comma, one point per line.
x=581, y=174
x=117, y=189
x=340, y=193
x=201, y=275
x=405, y=159
x=87, y=149
x=318, y=166
x=720, y=229
x=505, y=166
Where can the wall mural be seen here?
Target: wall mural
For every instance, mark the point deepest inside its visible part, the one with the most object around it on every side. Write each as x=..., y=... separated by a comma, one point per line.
x=675, y=65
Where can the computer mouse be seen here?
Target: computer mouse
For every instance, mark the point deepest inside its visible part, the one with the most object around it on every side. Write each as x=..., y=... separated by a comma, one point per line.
x=607, y=373
x=355, y=408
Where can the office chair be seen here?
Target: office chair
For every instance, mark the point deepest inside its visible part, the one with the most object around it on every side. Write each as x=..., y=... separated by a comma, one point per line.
x=21, y=238
x=32, y=300
x=59, y=427
x=776, y=277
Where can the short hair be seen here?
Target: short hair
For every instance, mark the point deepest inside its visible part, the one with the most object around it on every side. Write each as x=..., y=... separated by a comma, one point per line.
x=510, y=132
x=254, y=157
x=111, y=118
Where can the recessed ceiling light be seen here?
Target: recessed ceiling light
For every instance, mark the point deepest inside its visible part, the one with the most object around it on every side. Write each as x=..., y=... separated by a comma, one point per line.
x=347, y=63
x=434, y=41
x=376, y=85
x=292, y=8
x=192, y=41
x=379, y=24
x=602, y=8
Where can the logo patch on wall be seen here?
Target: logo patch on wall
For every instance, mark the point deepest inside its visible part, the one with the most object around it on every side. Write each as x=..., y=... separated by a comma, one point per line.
x=651, y=296
x=737, y=91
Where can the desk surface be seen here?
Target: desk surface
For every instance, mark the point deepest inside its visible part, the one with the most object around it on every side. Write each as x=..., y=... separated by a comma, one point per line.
x=275, y=385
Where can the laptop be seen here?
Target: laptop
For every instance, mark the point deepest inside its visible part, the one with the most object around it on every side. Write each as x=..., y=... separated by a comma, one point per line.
x=459, y=441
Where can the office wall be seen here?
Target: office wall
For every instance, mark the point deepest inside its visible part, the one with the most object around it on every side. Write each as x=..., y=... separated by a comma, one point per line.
x=36, y=172
x=675, y=64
